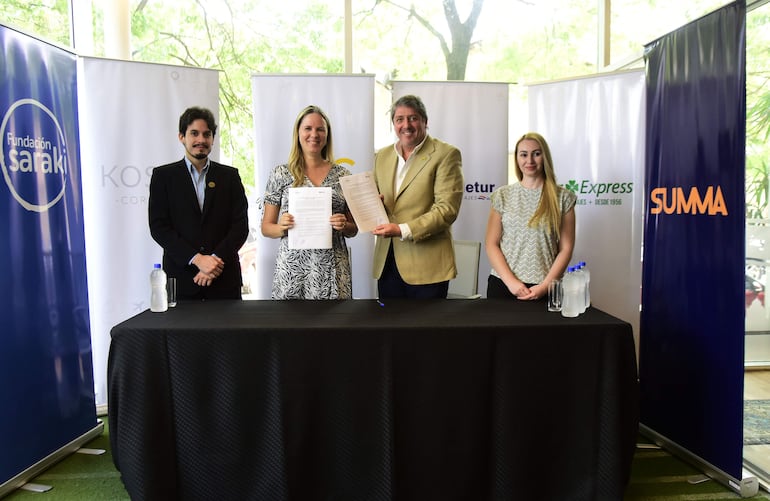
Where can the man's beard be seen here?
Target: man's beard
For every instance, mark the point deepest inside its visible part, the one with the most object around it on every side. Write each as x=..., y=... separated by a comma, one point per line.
x=200, y=156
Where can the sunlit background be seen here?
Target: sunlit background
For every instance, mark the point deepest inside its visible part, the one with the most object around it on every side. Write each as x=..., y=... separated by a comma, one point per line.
x=515, y=41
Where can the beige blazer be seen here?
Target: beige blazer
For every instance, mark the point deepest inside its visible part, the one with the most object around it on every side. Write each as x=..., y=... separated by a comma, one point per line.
x=428, y=201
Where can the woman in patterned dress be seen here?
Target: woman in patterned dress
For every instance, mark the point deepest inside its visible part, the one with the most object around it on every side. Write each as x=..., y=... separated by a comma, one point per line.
x=531, y=227
x=309, y=273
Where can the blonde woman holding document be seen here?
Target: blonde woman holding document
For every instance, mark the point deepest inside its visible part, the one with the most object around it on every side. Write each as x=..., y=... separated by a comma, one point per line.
x=309, y=273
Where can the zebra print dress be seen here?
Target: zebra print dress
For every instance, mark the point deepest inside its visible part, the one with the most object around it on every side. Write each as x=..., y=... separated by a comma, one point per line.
x=310, y=273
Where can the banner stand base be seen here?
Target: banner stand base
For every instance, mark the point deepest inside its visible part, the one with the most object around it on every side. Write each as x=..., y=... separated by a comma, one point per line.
x=762, y=475
x=746, y=487
x=35, y=487
x=22, y=478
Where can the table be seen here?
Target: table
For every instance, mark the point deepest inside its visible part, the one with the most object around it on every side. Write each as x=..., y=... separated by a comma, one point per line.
x=357, y=400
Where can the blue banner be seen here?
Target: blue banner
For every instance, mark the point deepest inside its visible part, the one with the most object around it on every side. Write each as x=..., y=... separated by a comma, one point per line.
x=46, y=374
x=692, y=321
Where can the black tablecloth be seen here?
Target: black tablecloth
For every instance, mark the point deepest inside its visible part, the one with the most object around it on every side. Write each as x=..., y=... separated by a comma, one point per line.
x=354, y=400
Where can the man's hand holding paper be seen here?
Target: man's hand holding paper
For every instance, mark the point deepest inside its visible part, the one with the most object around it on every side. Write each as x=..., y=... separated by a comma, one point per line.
x=364, y=200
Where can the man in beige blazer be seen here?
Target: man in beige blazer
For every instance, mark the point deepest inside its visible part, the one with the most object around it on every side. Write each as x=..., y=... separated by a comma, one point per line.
x=421, y=183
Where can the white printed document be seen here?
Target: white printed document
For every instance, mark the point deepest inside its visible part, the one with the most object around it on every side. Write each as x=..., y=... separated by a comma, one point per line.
x=311, y=208
x=364, y=200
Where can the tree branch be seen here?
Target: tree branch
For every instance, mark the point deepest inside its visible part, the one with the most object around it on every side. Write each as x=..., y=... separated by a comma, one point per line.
x=190, y=59
x=424, y=22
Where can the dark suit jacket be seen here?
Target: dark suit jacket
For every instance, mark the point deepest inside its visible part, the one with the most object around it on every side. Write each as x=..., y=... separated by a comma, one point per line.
x=179, y=226
x=428, y=201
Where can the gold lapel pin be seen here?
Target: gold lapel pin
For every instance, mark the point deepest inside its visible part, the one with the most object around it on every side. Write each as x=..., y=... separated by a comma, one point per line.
x=212, y=184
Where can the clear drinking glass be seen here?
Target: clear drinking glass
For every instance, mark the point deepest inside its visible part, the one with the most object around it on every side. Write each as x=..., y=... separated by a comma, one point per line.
x=555, y=294
x=171, y=289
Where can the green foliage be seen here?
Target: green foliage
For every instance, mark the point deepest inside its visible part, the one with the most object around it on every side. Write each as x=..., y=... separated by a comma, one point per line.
x=48, y=19
x=758, y=113
x=520, y=41
x=561, y=46
x=388, y=41
x=239, y=38
x=636, y=23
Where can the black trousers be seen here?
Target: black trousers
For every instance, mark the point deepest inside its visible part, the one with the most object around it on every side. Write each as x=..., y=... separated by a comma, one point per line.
x=392, y=286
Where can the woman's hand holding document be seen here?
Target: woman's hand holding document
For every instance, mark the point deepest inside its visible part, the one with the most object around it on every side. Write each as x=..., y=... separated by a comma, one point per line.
x=364, y=200
x=311, y=208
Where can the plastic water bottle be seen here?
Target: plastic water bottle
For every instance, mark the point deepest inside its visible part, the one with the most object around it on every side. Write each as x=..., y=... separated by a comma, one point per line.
x=580, y=275
x=587, y=276
x=570, y=306
x=158, y=296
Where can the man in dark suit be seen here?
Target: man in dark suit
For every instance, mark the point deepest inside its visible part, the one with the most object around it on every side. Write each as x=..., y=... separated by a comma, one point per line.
x=421, y=182
x=198, y=214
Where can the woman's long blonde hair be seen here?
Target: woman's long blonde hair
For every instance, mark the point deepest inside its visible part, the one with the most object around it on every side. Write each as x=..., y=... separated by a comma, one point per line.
x=296, y=157
x=548, y=212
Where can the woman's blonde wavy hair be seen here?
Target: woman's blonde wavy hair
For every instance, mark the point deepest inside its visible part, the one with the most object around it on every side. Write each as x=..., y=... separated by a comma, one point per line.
x=296, y=158
x=548, y=212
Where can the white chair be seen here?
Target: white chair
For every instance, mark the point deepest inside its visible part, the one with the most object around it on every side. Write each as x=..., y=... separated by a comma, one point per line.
x=465, y=285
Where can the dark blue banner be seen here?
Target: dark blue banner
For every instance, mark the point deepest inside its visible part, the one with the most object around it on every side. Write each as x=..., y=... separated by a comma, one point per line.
x=692, y=321
x=46, y=374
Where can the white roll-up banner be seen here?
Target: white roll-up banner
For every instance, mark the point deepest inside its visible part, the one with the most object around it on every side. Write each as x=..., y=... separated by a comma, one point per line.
x=129, y=122
x=348, y=101
x=595, y=129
